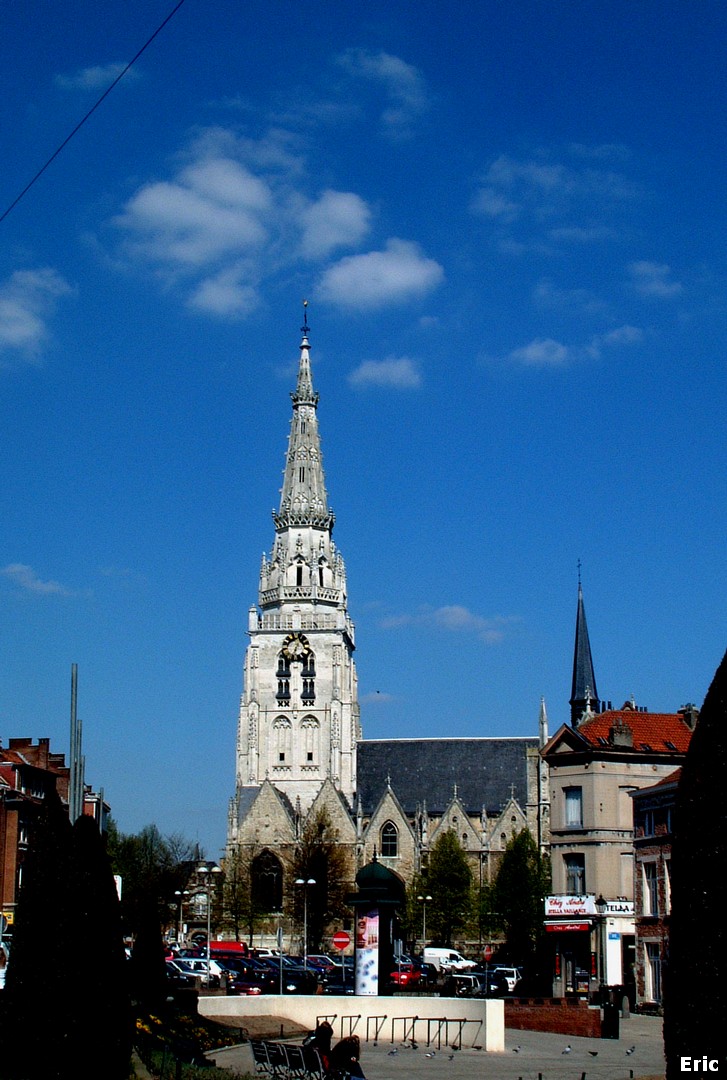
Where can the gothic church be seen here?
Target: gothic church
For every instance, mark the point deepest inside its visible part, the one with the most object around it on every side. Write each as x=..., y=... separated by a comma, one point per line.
x=300, y=746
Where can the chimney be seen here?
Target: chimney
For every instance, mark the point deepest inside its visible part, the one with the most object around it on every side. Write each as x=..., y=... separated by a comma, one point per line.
x=689, y=714
x=621, y=734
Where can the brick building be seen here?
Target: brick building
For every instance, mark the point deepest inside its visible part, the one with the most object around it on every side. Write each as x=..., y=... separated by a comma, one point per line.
x=653, y=827
x=28, y=773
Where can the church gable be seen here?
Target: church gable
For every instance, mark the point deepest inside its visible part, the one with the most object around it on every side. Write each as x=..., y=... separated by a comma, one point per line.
x=268, y=821
x=389, y=835
x=330, y=801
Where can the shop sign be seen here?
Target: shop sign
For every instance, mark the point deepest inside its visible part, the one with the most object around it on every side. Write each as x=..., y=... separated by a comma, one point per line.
x=564, y=927
x=565, y=906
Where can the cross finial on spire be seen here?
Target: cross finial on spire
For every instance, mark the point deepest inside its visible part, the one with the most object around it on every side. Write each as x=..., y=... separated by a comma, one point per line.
x=305, y=328
x=579, y=573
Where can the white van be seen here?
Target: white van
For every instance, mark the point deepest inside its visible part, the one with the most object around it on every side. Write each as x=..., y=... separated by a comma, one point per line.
x=447, y=960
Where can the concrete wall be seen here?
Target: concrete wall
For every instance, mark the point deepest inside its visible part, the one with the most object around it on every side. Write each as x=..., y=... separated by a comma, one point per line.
x=388, y=1019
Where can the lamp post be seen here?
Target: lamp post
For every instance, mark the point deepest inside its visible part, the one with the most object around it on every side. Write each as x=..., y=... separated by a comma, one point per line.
x=424, y=900
x=305, y=883
x=207, y=873
x=181, y=894
x=601, y=908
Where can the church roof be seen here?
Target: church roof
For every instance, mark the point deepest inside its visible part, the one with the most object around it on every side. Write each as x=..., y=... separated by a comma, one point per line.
x=485, y=772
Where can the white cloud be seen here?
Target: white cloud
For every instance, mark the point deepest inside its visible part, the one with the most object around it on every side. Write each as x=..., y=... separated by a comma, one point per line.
x=214, y=208
x=27, y=579
x=400, y=373
x=336, y=219
x=546, y=352
x=554, y=202
x=541, y=352
x=402, y=83
x=225, y=295
x=95, y=78
x=233, y=216
x=27, y=301
x=653, y=279
x=378, y=278
x=455, y=618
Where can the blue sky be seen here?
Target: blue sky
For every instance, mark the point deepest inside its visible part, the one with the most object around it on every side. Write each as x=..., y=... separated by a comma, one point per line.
x=509, y=220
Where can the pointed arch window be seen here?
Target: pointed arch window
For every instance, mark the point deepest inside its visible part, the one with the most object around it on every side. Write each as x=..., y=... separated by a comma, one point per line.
x=308, y=675
x=389, y=840
x=267, y=882
x=281, y=730
x=283, y=677
x=310, y=730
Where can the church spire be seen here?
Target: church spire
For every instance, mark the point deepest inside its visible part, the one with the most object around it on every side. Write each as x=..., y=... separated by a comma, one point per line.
x=303, y=498
x=584, y=695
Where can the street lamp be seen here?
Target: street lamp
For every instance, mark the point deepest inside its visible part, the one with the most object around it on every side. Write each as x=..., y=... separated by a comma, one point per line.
x=207, y=873
x=424, y=900
x=181, y=894
x=305, y=883
x=601, y=908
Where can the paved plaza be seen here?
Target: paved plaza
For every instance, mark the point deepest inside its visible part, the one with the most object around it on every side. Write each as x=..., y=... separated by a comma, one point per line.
x=529, y=1055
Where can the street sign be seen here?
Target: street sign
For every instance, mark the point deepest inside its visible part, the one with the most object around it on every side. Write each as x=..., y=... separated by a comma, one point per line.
x=341, y=940
x=487, y=953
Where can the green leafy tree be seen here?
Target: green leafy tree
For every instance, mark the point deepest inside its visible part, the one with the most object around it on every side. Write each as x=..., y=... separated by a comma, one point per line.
x=242, y=909
x=695, y=993
x=152, y=868
x=449, y=883
x=521, y=884
x=320, y=857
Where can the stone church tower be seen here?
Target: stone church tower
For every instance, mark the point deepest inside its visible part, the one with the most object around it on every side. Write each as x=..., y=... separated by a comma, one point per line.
x=299, y=716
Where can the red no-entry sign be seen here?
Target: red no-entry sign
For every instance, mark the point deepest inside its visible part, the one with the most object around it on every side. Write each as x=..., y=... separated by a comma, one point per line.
x=341, y=939
x=487, y=953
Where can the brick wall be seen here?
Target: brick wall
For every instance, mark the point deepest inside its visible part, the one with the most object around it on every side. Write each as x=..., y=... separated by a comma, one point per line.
x=565, y=1016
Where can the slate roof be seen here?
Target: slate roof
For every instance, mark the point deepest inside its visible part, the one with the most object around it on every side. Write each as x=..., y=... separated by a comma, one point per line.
x=484, y=770
x=651, y=731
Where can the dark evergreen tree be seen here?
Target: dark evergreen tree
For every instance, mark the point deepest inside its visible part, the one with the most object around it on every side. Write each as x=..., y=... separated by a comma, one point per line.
x=36, y=982
x=518, y=894
x=96, y=984
x=695, y=992
x=449, y=883
x=147, y=970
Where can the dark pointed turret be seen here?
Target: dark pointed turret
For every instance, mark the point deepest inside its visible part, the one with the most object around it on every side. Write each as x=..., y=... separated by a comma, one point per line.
x=584, y=695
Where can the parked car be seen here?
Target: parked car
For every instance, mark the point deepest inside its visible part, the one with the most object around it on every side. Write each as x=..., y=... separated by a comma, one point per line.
x=295, y=978
x=320, y=960
x=177, y=979
x=406, y=973
x=198, y=970
x=512, y=975
x=447, y=960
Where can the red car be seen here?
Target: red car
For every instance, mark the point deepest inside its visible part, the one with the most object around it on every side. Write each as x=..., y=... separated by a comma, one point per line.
x=406, y=974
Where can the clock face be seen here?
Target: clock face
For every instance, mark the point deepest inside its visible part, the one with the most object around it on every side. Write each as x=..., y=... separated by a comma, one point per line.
x=295, y=646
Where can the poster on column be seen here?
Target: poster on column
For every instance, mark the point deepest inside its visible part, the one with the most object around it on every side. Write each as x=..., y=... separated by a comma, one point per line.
x=367, y=952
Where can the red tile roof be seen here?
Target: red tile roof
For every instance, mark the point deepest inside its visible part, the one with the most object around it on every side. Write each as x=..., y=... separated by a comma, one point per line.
x=651, y=731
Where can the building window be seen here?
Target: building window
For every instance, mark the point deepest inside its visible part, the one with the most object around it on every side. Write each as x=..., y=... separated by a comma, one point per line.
x=651, y=889
x=267, y=882
x=310, y=729
x=652, y=971
x=667, y=886
x=389, y=840
x=281, y=730
x=574, y=807
x=575, y=874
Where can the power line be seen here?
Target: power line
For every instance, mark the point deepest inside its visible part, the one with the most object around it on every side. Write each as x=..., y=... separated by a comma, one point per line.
x=91, y=111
